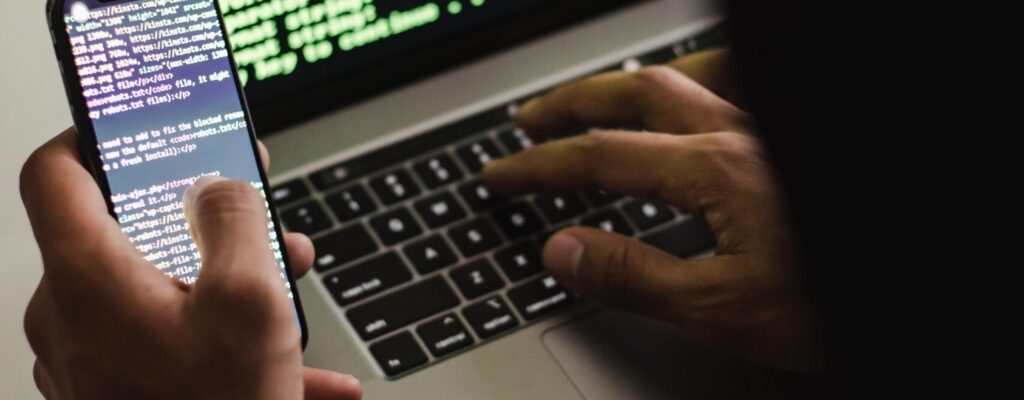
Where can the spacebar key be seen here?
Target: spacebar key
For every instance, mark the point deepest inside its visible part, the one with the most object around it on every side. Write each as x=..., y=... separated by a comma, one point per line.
x=402, y=308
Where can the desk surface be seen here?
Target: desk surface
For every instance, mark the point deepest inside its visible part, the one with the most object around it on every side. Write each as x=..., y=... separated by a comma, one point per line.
x=32, y=109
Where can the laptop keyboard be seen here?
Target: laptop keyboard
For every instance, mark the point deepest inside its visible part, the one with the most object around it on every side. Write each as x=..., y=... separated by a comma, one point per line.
x=425, y=261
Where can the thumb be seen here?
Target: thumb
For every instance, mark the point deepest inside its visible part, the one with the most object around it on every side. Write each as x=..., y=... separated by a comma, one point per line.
x=618, y=271
x=228, y=221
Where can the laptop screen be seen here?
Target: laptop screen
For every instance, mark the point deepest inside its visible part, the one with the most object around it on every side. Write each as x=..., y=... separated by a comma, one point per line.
x=300, y=58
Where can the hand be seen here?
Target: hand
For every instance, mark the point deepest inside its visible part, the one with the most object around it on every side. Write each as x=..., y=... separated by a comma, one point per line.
x=749, y=297
x=104, y=323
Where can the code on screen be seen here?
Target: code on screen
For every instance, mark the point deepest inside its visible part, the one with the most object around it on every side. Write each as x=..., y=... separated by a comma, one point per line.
x=160, y=90
x=273, y=38
x=161, y=95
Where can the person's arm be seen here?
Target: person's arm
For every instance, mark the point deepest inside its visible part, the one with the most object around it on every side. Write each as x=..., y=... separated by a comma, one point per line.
x=748, y=297
x=105, y=324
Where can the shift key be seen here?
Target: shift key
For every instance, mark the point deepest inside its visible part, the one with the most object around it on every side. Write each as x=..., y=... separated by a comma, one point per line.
x=402, y=308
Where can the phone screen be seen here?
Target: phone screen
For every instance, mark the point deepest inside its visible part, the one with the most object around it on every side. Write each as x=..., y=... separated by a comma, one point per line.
x=163, y=101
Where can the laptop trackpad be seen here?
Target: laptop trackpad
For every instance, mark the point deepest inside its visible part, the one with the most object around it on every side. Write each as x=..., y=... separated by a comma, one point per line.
x=616, y=355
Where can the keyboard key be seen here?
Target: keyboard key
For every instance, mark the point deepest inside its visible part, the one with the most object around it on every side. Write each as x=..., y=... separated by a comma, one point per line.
x=401, y=308
x=476, y=279
x=679, y=49
x=490, y=317
x=395, y=226
x=659, y=56
x=542, y=239
x=308, y=218
x=430, y=254
x=444, y=335
x=515, y=140
x=539, y=297
x=478, y=196
x=474, y=237
x=477, y=154
x=683, y=239
x=415, y=146
x=343, y=247
x=351, y=203
x=367, y=278
x=600, y=198
x=559, y=207
x=630, y=65
x=519, y=261
x=609, y=220
x=289, y=192
x=394, y=187
x=647, y=214
x=398, y=354
x=440, y=210
x=437, y=171
x=332, y=176
x=517, y=220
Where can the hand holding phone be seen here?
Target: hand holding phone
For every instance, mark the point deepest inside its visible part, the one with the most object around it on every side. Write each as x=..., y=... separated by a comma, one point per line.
x=158, y=104
x=105, y=324
x=121, y=311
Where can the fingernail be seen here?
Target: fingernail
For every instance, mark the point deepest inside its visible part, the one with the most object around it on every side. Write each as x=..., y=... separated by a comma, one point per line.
x=492, y=166
x=562, y=256
x=528, y=107
x=197, y=187
x=350, y=380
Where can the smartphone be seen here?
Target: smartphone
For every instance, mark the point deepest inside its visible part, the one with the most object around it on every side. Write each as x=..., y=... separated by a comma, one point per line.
x=155, y=96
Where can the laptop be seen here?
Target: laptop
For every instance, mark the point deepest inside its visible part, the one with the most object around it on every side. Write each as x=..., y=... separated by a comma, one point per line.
x=380, y=114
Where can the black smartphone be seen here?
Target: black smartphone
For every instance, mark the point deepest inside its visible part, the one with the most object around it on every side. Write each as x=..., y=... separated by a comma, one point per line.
x=158, y=104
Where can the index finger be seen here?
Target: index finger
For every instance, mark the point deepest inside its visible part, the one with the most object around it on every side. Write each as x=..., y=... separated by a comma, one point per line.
x=710, y=68
x=701, y=174
x=70, y=218
x=645, y=165
x=264, y=155
x=660, y=98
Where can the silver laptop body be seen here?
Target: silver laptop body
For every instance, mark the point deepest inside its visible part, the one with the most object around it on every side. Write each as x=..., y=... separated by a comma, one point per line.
x=580, y=350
